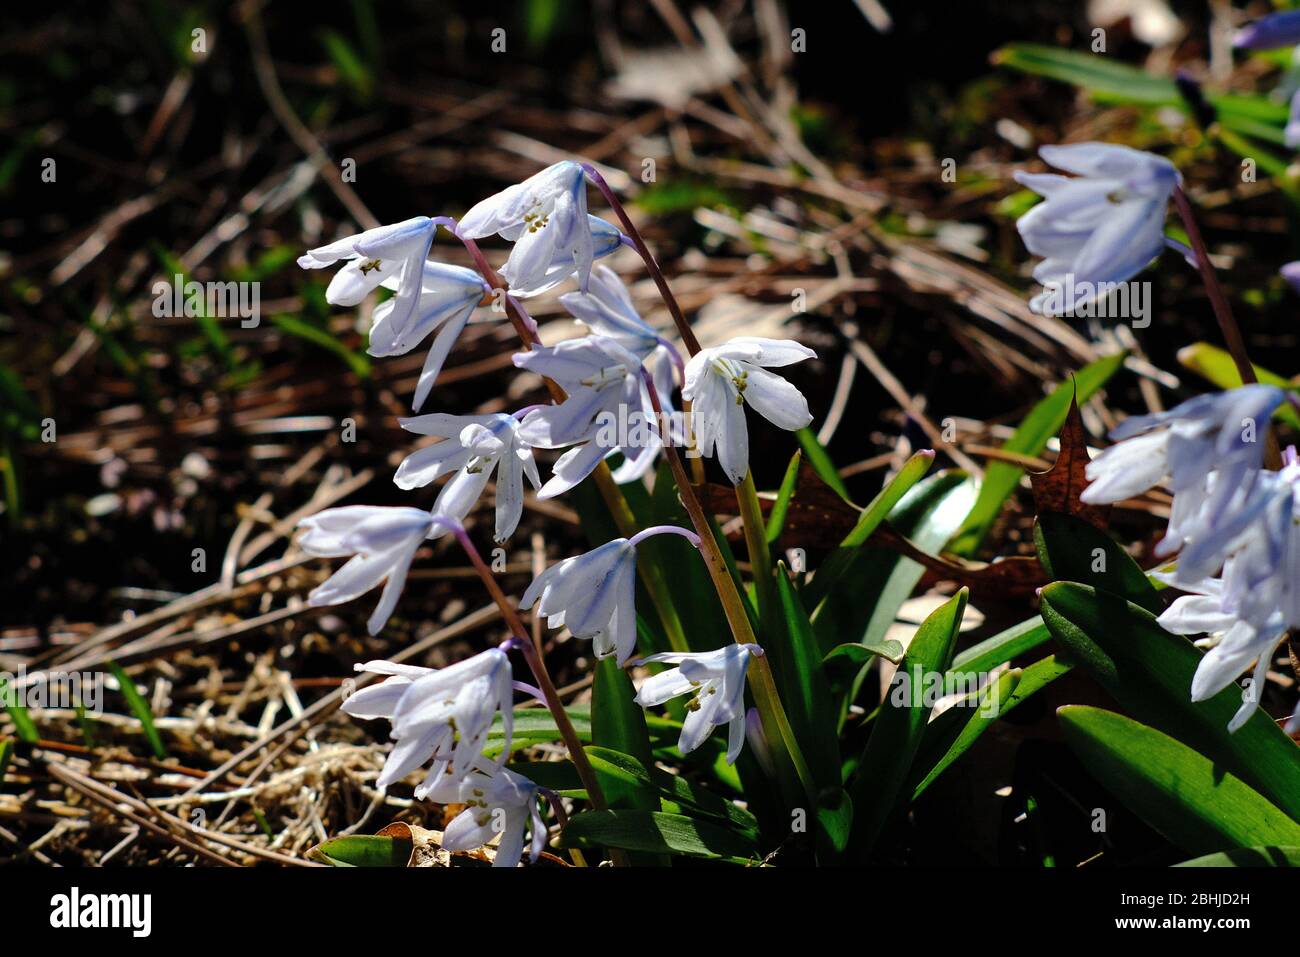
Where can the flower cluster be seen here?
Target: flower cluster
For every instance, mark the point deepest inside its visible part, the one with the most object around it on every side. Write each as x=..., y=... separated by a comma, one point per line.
x=1234, y=524
x=622, y=368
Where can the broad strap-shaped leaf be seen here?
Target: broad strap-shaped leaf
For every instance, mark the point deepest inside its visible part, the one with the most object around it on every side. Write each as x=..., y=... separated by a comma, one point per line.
x=657, y=832
x=1111, y=80
x=1072, y=550
x=1003, y=647
x=1030, y=438
x=1265, y=856
x=805, y=692
x=1182, y=794
x=878, y=784
x=954, y=732
x=1149, y=672
x=618, y=724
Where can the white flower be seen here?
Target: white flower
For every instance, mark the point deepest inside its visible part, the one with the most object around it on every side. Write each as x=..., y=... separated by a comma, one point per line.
x=438, y=715
x=501, y=803
x=603, y=383
x=473, y=447
x=1099, y=228
x=448, y=296
x=606, y=239
x=607, y=310
x=545, y=216
x=1234, y=644
x=720, y=380
x=1210, y=449
x=594, y=595
x=395, y=252
x=717, y=680
x=382, y=542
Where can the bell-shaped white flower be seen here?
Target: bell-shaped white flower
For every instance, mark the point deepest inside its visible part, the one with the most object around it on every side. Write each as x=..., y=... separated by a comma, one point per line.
x=447, y=299
x=473, y=448
x=1099, y=228
x=1233, y=644
x=545, y=216
x=501, y=803
x=1209, y=449
x=382, y=542
x=606, y=239
x=719, y=381
x=716, y=679
x=594, y=595
x=440, y=717
x=397, y=252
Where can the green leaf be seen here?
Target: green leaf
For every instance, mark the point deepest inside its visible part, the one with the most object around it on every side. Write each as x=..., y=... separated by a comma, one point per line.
x=834, y=825
x=1030, y=438
x=140, y=708
x=1110, y=80
x=1003, y=647
x=24, y=726
x=776, y=518
x=362, y=850
x=861, y=655
x=1218, y=367
x=356, y=361
x=880, y=579
x=1096, y=74
x=821, y=461
x=1149, y=672
x=839, y=561
x=1194, y=803
x=6, y=754
x=656, y=832
x=805, y=693
x=1069, y=549
x=1264, y=856
x=998, y=700
x=618, y=722
x=898, y=729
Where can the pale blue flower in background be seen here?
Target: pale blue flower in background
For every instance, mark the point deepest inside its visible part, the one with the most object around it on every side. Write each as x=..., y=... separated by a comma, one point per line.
x=439, y=715
x=500, y=803
x=1098, y=228
x=1270, y=32
x=382, y=542
x=1291, y=273
x=1210, y=450
x=718, y=383
x=545, y=217
x=716, y=679
x=397, y=252
x=473, y=448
